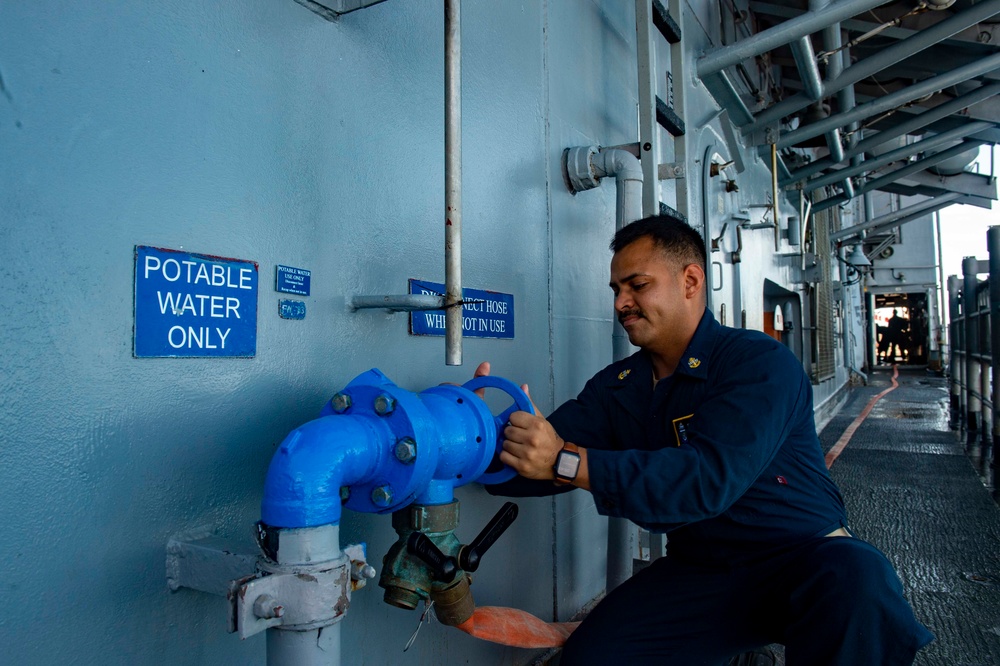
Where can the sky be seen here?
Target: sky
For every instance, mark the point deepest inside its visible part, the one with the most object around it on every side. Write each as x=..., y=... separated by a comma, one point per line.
x=963, y=228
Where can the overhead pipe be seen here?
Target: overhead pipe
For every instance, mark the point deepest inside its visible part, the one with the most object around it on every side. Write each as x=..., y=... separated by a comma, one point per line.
x=805, y=24
x=805, y=61
x=919, y=165
x=453, y=181
x=902, y=153
x=871, y=65
x=892, y=101
x=585, y=166
x=906, y=127
x=898, y=217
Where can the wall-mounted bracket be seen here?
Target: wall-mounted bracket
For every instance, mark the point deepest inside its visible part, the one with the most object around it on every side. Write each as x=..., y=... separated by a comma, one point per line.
x=331, y=9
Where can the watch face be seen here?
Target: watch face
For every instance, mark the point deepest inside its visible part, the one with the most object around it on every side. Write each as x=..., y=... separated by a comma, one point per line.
x=567, y=464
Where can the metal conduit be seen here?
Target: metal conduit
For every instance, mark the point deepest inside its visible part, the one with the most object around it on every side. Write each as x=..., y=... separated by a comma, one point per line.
x=973, y=413
x=897, y=217
x=876, y=63
x=926, y=87
x=718, y=59
x=918, y=166
x=805, y=61
x=920, y=120
x=993, y=245
x=906, y=151
x=453, y=181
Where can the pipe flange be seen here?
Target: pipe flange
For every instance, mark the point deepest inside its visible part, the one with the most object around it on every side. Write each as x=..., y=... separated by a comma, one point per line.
x=580, y=168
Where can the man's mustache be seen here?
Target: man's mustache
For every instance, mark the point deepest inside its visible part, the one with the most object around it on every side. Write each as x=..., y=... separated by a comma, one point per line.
x=630, y=313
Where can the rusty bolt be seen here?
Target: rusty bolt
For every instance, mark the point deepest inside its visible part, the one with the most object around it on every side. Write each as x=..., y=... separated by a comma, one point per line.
x=382, y=496
x=267, y=607
x=341, y=402
x=406, y=450
x=385, y=404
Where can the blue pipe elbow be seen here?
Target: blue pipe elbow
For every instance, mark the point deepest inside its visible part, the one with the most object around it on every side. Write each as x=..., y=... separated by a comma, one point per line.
x=388, y=448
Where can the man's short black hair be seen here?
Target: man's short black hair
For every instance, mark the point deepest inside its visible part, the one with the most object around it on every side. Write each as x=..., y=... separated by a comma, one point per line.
x=677, y=239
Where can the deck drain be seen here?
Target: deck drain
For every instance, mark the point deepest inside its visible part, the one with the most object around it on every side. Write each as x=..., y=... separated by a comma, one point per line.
x=981, y=579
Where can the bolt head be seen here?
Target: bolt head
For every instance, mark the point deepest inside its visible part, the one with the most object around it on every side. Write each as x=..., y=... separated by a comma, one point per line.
x=382, y=496
x=406, y=450
x=385, y=404
x=341, y=402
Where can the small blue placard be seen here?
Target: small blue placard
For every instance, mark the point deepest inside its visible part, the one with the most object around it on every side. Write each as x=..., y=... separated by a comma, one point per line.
x=292, y=280
x=193, y=305
x=289, y=309
x=485, y=314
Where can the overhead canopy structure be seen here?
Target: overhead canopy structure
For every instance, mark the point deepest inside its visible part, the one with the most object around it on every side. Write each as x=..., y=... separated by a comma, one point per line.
x=861, y=95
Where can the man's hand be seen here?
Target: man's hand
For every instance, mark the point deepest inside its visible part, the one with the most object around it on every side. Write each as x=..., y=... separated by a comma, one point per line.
x=531, y=444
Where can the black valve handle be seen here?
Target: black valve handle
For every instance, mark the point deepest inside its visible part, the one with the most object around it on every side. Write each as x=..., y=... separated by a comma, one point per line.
x=444, y=567
x=470, y=555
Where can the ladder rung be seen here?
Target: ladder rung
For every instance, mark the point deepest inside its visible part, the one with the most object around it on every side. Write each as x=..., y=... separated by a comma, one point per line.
x=668, y=119
x=665, y=23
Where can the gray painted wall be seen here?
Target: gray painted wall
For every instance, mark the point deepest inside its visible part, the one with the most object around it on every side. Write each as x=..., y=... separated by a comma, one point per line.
x=254, y=129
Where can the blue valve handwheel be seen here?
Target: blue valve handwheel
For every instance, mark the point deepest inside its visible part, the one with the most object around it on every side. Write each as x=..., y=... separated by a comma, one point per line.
x=497, y=472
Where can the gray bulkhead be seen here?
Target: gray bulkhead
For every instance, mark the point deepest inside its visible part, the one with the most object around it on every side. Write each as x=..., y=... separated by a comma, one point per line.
x=254, y=129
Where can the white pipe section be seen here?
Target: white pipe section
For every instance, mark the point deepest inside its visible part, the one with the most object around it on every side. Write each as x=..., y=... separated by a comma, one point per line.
x=627, y=171
x=316, y=647
x=453, y=180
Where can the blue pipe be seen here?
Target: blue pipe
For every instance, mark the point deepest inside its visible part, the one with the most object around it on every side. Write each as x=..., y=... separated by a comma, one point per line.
x=376, y=448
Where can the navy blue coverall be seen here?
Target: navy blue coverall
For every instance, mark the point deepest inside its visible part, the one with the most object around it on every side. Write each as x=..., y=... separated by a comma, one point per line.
x=723, y=456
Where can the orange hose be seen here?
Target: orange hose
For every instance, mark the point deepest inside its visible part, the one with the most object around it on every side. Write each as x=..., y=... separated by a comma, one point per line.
x=510, y=626
x=838, y=448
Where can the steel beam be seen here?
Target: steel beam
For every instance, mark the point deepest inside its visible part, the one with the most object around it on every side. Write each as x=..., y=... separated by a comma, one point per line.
x=878, y=62
x=969, y=184
x=719, y=58
x=919, y=165
x=911, y=125
x=898, y=217
x=889, y=102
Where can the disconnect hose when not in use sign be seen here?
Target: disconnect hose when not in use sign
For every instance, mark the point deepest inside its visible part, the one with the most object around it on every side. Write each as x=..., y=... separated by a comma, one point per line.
x=194, y=305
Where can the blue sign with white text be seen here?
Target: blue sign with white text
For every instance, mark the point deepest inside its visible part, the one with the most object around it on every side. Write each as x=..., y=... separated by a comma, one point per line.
x=485, y=314
x=292, y=280
x=193, y=305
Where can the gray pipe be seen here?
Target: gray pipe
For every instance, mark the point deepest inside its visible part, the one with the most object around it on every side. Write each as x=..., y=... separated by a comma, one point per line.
x=915, y=123
x=788, y=31
x=805, y=61
x=897, y=217
x=973, y=409
x=900, y=153
x=919, y=165
x=453, y=180
x=317, y=647
x=993, y=245
x=891, y=101
x=888, y=56
x=954, y=352
x=627, y=171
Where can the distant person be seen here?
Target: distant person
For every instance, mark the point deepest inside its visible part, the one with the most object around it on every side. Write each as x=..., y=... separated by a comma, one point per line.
x=897, y=336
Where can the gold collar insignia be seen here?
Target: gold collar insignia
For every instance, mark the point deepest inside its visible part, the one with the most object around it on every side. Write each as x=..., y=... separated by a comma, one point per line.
x=623, y=374
x=693, y=362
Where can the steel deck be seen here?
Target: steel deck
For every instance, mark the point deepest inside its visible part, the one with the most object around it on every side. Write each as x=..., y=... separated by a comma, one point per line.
x=912, y=491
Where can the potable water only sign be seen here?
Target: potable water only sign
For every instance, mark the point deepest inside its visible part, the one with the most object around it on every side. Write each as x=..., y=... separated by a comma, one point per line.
x=194, y=304
x=485, y=314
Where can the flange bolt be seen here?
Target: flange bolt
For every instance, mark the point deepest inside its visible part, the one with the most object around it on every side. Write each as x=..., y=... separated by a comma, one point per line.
x=406, y=450
x=385, y=404
x=382, y=496
x=341, y=402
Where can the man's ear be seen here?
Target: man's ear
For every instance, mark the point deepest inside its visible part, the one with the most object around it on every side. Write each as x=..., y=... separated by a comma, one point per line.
x=694, y=280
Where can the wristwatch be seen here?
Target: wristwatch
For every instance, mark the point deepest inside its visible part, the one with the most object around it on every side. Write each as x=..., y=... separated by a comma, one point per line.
x=567, y=465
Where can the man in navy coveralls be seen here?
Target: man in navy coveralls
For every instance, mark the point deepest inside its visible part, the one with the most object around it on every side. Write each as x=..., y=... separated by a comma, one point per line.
x=707, y=434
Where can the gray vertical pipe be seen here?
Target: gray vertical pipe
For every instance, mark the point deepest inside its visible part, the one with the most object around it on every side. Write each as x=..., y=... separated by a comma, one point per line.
x=316, y=647
x=993, y=245
x=954, y=355
x=453, y=180
x=973, y=406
